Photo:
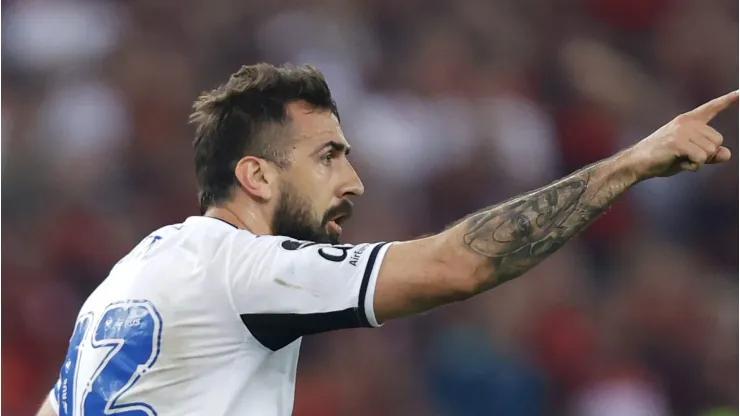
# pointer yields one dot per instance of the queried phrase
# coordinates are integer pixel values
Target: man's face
(313, 195)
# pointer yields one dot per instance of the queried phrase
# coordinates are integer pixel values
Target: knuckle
(697, 156)
(709, 146)
(683, 131)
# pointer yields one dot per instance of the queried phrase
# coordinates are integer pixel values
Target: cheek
(316, 197)
(316, 187)
(325, 180)
(323, 172)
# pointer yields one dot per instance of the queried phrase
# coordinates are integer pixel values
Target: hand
(686, 143)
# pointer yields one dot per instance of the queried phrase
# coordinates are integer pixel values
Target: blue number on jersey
(67, 377)
(132, 332)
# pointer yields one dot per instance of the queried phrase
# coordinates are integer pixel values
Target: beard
(294, 217)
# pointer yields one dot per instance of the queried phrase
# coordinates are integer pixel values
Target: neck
(243, 219)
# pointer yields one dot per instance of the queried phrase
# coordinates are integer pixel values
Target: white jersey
(204, 319)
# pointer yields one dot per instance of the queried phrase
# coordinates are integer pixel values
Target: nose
(353, 185)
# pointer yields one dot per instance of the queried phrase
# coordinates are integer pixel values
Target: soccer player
(206, 317)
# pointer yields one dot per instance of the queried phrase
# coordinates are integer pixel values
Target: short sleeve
(284, 289)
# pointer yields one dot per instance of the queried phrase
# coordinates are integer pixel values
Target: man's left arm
(47, 409)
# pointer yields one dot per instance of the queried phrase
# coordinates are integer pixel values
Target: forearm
(496, 244)
(504, 241)
(500, 243)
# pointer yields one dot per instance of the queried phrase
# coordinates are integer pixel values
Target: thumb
(723, 155)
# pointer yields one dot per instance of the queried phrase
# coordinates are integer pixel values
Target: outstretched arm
(502, 242)
(515, 236)
(498, 243)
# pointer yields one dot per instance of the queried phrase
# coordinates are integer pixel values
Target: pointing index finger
(707, 111)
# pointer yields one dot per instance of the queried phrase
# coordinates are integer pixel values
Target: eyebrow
(336, 146)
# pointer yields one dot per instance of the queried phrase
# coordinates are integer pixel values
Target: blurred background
(451, 105)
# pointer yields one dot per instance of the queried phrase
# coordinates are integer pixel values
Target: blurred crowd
(450, 105)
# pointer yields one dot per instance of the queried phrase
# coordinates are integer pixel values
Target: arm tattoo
(518, 234)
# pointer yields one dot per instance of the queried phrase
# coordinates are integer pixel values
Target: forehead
(312, 126)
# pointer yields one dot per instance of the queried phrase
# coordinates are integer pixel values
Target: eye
(327, 158)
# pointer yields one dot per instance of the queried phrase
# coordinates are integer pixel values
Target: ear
(256, 177)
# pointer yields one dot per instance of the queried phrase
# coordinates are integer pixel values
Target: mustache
(344, 210)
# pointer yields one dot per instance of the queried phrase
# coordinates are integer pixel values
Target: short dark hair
(245, 116)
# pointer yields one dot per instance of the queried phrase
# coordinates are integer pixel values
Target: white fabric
(171, 331)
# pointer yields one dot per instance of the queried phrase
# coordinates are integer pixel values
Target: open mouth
(335, 222)
(338, 215)
(339, 219)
